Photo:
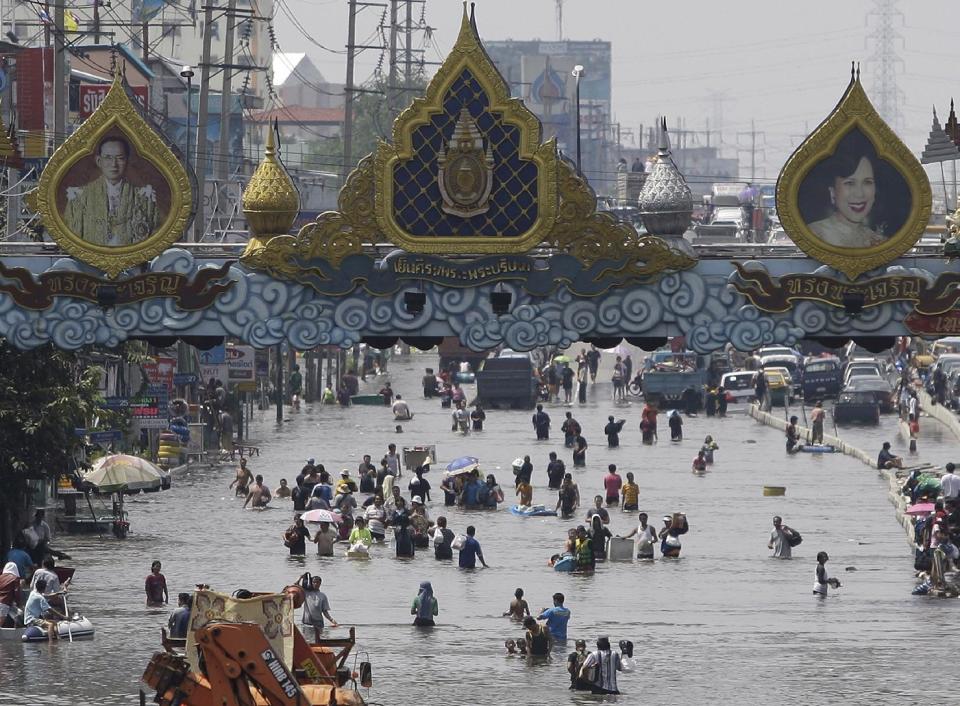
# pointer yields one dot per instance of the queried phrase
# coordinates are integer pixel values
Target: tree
(45, 394)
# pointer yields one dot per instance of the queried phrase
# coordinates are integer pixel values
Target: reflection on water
(724, 624)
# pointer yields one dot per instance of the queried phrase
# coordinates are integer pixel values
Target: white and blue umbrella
(462, 465)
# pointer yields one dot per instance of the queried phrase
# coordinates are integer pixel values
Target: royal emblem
(466, 170)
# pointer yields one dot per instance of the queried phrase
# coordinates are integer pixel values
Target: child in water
(709, 446)
(518, 606)
(525, 492)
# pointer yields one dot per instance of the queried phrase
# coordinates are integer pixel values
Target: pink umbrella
(921, 509)
(322, 516)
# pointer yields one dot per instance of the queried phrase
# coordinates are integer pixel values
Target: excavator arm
(240, 668)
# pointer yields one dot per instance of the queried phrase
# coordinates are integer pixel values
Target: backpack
(793, 537)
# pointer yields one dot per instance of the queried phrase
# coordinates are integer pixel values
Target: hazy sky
(781, 64)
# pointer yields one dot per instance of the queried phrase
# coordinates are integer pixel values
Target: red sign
(92, 95)
(946, 324)
(160, 372)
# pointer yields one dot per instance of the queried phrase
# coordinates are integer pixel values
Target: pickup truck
(507, 381)
(821, 378)
(675, 379)
(726, 225)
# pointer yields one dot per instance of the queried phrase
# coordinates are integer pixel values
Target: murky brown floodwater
(723, 625)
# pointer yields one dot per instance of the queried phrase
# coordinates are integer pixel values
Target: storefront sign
(241, 366)
(105, 437)
(149, 410)
(160, 372)
(92, 95)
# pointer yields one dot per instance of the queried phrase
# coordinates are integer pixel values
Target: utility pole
(408, 64)
(96, 22)
(223, 163)
(753, 149)
(59, 77)
(201, 150)
(348, 90)
(392, 68)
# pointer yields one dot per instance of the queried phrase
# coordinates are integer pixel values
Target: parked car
(950, 344)
(788, 363)
(821, 378)
(856, 407)
(881, 390)
(861, 367)
(739, 386)
(778, 350)
(779, 386)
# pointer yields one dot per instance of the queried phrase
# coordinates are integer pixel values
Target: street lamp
(187, 73)
(578, 72)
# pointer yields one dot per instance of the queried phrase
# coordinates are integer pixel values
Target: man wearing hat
(419, 522)
(346, 484)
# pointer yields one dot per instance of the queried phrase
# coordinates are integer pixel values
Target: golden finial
(270, 201)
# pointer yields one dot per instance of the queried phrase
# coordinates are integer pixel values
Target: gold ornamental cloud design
(114, 194)
(885, 183)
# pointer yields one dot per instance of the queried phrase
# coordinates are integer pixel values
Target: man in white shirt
(950, 484)
(393, 460)
(47, 574)
(400, 409)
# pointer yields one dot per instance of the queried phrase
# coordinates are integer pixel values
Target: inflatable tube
(533, 511)
(817, 448)
(80, 628)
(566, 564)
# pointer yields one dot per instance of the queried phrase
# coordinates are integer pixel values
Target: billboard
(92, 95)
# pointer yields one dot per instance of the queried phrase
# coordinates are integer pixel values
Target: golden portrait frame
(116, 114)
(853, 112)
(467, 53)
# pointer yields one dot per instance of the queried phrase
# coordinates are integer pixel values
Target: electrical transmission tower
(884, 19)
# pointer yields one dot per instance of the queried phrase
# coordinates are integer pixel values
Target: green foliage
(44, 395)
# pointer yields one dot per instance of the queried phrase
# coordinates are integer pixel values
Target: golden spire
(270, 201)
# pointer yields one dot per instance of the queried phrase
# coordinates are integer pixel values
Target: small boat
(565, 563)
(774, 490)
(79, 627)
(533, 511)
(367, 399)
(817, 448)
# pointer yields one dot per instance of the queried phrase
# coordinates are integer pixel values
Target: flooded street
(724, 624)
